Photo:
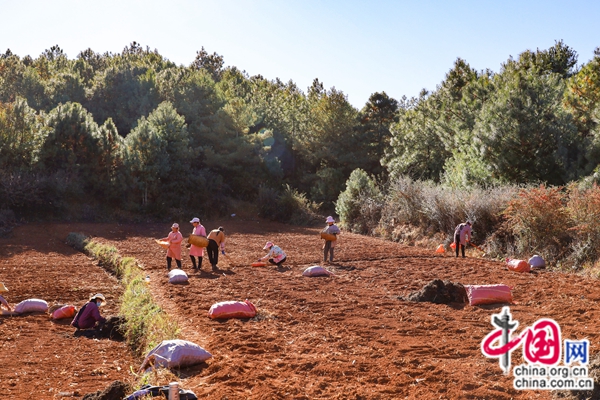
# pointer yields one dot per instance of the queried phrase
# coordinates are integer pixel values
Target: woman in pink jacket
(174, 250)
(196, 251)
(462, 236)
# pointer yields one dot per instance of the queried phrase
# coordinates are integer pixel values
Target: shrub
(287, 206)
(583, 208)
(539, 221)
(435, 208)
(359, 205)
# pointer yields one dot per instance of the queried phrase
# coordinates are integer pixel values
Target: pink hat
(330, 219)
(268, 245)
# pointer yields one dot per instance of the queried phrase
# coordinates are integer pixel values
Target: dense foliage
(134, 132)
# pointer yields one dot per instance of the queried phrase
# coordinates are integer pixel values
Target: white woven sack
(176, 353)
(177, 276)
(316, 270)
(31, 305)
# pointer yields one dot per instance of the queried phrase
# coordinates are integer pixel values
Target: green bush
(289, 206)
(359, 205)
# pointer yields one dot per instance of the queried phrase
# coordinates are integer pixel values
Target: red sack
(488, 294)
(232, 309)
(66, 311)
(518, 265)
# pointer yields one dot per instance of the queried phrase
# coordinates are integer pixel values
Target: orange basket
(162, 243)
(328, 236)
(198, 241)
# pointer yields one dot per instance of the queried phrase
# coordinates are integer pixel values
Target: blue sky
(360, 47)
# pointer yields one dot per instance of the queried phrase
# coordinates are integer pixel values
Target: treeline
(134, 132)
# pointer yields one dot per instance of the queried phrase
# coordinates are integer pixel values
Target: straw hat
(99, 296)
(3, 288)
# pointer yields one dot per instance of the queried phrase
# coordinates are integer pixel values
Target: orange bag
(66, 311)
(518, 265)
(259, 264)
(453, 245)
(440, 249)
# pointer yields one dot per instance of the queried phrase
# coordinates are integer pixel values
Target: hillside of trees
(135, 133)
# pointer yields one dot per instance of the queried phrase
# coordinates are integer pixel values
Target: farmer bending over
(275, 255)
(216, 239)
(462, 235)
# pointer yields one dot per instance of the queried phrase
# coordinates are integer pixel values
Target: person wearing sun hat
(462, 236)
(89, 315)
(2, 299)
(196, 251)
(330, 229)
(174, 250)
(275, 255)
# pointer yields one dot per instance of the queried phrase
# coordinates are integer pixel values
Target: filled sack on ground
(259, 264)
(66, 311)
(517, 265)
(31, 305)
(175, 353)
(488, 294)
(316, 270)
(232, 309)
(537, 262)
(177, 276)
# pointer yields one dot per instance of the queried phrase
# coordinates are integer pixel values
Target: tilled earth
(349, 336)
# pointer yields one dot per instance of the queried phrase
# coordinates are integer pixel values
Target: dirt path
(343, 337)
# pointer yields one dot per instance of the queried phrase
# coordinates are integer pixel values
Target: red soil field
(348, 336)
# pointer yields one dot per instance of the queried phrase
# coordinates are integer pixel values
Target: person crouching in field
(196, 251)
(462, 235)
(3, 301)
(89, 315)
(174, 250)
(275, 255)
(216, 239)
(330, 229)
